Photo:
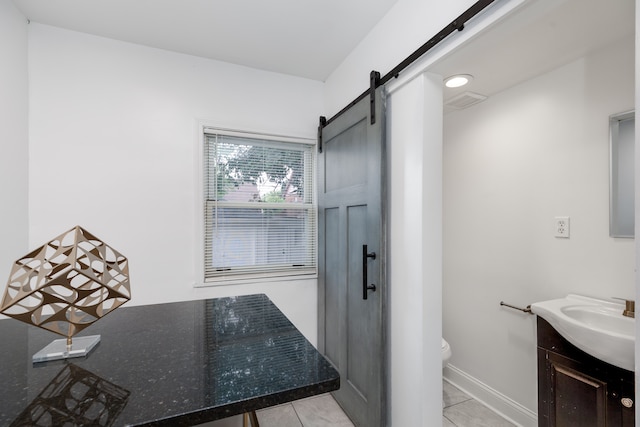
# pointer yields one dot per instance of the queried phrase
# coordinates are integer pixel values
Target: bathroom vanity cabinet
(576, 389)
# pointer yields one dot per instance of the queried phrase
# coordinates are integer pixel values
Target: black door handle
(365, 286)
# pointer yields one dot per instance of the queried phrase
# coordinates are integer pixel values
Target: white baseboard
(498, 402)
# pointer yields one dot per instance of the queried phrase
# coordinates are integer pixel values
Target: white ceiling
(306, 38)
(538, 37)
(311, 38)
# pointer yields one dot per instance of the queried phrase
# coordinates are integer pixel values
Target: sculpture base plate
(80, 347)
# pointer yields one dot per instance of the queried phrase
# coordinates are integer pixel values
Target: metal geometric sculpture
(67, 284)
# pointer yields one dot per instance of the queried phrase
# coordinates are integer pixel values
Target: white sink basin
(595, 326)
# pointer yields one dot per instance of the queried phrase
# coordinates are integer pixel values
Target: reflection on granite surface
(75, 397)
(183, 363)
(253, 347)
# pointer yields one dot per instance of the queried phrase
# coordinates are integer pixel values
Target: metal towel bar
(525, 310)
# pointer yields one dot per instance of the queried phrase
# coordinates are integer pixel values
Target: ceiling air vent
(464, 100)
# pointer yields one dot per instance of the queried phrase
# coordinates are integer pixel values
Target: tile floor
(460, 410)
(317, 411)
(321, 411)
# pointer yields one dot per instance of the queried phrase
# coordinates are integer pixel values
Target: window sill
(256, 278)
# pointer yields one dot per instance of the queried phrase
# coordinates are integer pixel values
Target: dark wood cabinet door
(578, 390)
(576, 399)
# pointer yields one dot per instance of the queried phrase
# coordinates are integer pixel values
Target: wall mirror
(621, 179)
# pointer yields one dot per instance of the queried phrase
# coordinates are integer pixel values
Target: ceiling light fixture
(458, 80)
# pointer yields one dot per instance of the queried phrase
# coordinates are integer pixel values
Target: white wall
(406, 27)
(512, 164)
(13, 137)
(415, 252)
(637, 201)
(113, 148)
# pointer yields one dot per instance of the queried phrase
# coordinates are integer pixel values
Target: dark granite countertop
(177, 364)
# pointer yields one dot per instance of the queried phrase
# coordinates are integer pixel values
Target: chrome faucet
(629, 307)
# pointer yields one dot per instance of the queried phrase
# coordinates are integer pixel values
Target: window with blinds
(260, 216)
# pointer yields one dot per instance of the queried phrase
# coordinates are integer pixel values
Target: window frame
(294, 273)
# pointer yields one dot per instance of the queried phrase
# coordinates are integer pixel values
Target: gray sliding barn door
(351, 222)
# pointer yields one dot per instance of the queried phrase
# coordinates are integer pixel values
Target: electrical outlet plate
(561, 227)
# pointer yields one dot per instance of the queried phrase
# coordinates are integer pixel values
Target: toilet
(446, 353)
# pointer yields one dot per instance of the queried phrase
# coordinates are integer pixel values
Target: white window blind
(260, 216)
